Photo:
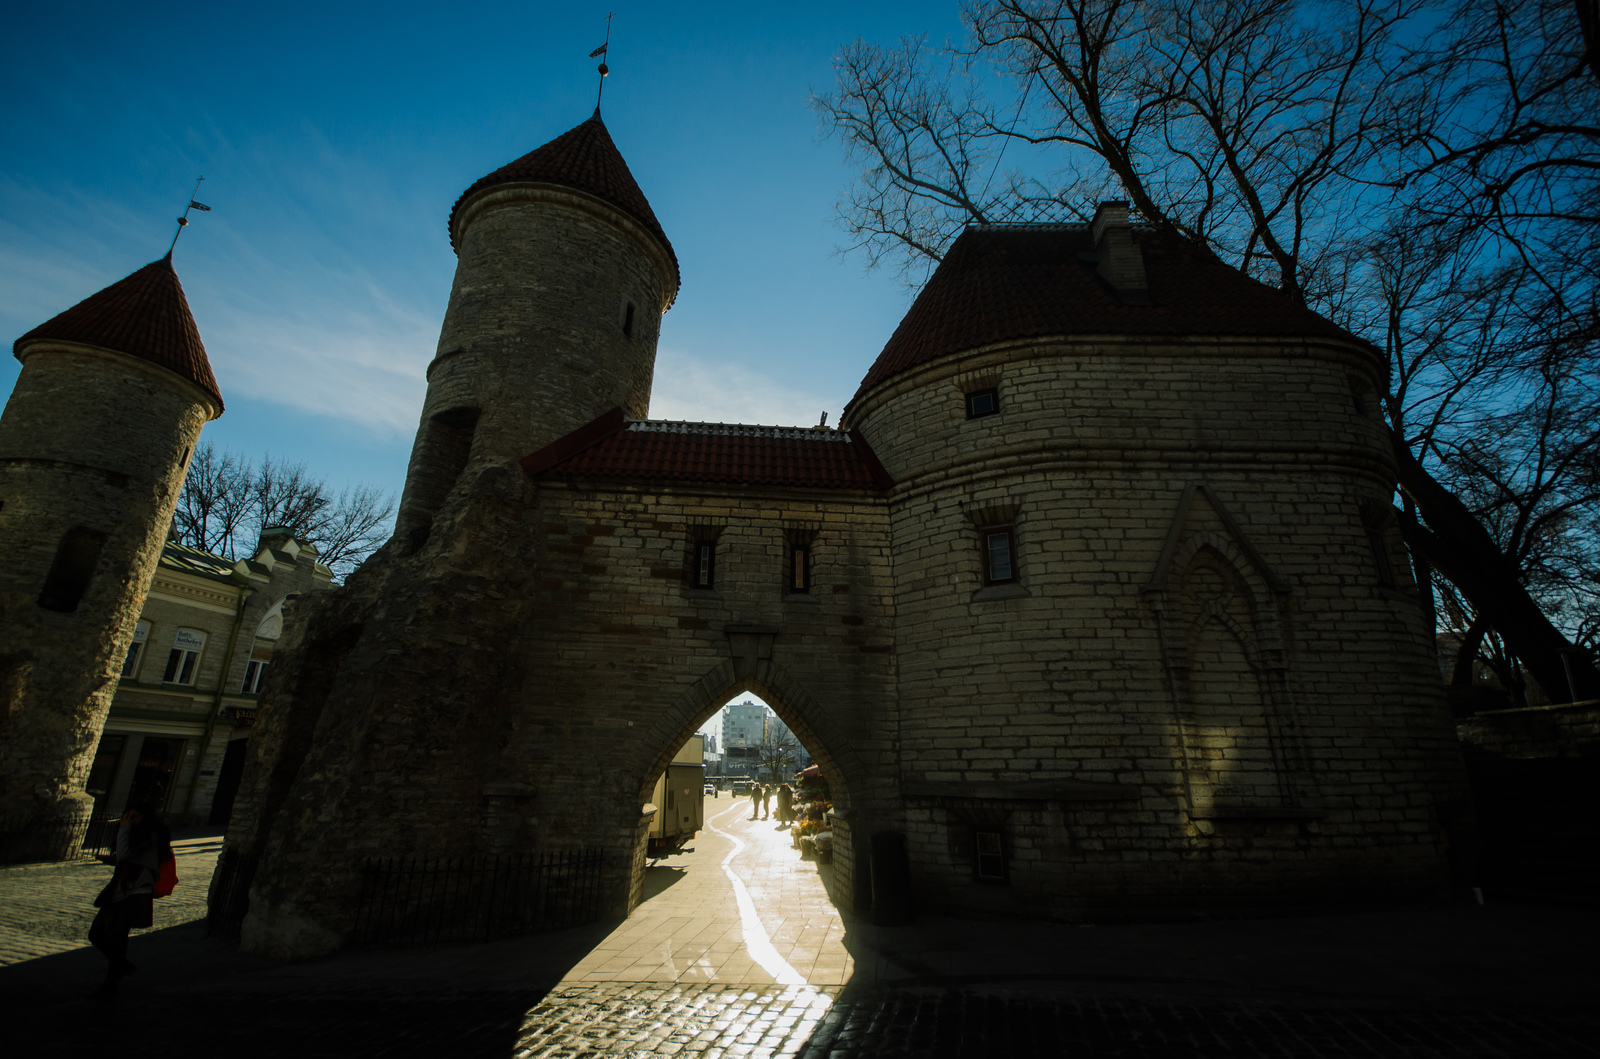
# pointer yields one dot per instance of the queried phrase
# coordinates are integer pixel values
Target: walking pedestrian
(755, 800)
(766, 803)
(143, 844)
(785, 804)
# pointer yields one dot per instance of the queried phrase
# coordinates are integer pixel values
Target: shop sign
(243, 716)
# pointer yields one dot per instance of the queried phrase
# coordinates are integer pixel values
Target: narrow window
(72, 570)
(130, 665)
(983, 403)
(254, 670)
(799, 568)
(705, 564)
(184, 657)
(991, 857)
(627, 318)
(999, 564)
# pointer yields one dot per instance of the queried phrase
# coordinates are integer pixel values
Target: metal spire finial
(183, 222)
(604, 69)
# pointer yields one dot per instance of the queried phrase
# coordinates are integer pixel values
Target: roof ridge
(684, 426)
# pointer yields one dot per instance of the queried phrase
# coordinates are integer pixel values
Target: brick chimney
(1121, 264)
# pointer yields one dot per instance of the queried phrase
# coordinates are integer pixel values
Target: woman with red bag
(144, 870)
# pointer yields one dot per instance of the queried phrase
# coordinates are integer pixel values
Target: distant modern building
(752, 724)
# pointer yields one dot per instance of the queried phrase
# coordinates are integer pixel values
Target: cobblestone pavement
(47, 908)
(698, 971)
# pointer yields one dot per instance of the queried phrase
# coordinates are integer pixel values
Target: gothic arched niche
(1221, 638)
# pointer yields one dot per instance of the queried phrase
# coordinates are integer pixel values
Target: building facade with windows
(1093, 604)
(185, 704)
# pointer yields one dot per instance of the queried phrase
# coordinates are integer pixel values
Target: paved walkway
(738, 953)
(742, 908)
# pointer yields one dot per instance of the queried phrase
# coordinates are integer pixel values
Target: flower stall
(811, 833)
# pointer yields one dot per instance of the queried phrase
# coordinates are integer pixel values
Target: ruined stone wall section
(553, 319)
(97, 441)
(1062, 677)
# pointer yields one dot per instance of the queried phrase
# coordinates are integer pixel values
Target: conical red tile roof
(144, 315)
(585, 159)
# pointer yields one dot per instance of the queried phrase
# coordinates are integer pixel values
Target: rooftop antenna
(183, 222)
(604, 69)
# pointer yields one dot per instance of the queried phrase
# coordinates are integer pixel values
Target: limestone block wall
(553, 319)
(520, 684)
(93, 444)
(1197, 690)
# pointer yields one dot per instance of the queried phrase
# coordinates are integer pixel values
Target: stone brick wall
(533, 340)
(1197, 653)
(97, 440)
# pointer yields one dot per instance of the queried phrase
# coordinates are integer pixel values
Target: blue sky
(334, 140)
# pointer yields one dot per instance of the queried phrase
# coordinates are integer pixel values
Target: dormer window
(982, 403)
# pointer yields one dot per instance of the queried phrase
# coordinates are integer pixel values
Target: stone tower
(94, 443)
(562, 277)
(426, 652)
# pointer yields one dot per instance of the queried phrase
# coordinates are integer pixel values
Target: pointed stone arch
(785, 692)
(1224, 642)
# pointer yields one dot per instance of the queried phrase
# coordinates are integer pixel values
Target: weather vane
(597, 53)
(183, 222)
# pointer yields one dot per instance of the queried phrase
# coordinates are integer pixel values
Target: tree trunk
(1458, 546)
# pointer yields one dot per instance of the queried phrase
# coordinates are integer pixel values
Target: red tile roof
(612, 446)
(144, 315)
(1027, 281)
(583, 158)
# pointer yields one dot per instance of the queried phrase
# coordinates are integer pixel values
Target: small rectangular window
(627, 318)
(799, 572)
(991, 856)
(253, 672)
(72, 569)
(999, 565)
(705, 564)
(184, 658)
(130, 665)
(983, 403)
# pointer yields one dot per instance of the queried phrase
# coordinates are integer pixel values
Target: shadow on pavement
(196, 996)
(658, 877)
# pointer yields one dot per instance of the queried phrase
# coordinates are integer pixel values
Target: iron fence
(24, 840)
(419, 900)
(229, 898)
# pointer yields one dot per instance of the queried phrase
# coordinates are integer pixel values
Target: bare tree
(227, 502)
(1398, 165)
(777, 751)
(215, 503)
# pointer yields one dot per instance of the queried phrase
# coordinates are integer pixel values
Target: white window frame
(183, 660)
(130, 664)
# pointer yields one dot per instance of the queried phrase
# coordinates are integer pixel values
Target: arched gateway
(1081, 599)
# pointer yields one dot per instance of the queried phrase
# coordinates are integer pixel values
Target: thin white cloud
(692, 388)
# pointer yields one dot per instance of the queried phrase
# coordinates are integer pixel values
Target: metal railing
(420, 900)
(24, 840)
(229, 898)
